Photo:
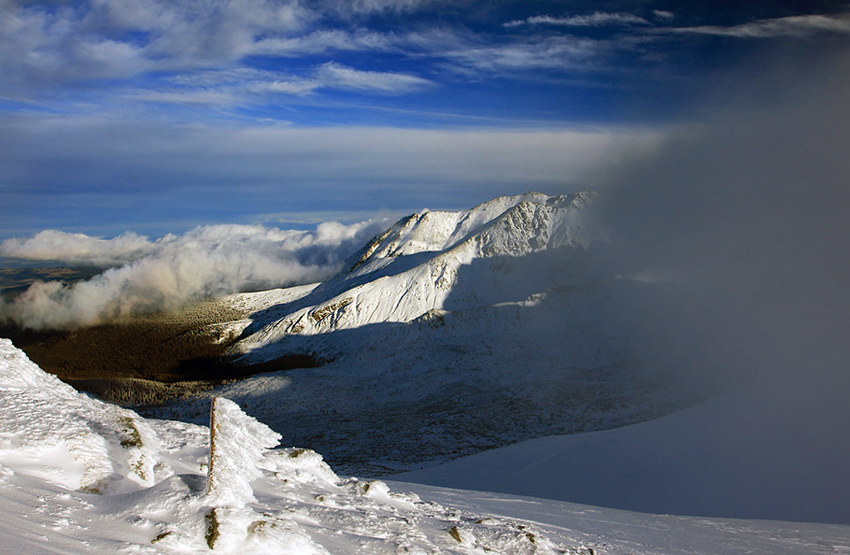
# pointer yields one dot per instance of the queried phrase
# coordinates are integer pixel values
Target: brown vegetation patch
(149, 360)
(321, 313)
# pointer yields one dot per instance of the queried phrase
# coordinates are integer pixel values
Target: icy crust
(414, 267)
(242, 498)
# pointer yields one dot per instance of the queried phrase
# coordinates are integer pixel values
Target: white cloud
(596, 19)
(333, 75)
(205, 262)
(792, 26)
(546, 53)
(122, 38)
(77, 248)
(38, 45)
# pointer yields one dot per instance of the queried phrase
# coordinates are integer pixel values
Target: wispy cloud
(791, 26)
(334, 75)
(328, 40)
(663, 15)
(557, 52)
(596, 19)
(244, 85)
(395, 6)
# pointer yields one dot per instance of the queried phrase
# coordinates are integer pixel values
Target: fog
(746, 216)
(163, 274)
(742, 224)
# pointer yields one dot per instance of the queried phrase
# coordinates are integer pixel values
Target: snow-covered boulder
(51, 431)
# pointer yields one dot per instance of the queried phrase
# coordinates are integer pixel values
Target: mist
(746, 218)
(163, 274)
(739, 228)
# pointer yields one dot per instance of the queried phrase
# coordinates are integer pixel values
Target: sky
(157, 117)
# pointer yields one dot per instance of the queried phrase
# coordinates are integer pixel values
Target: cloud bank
(78, 248)
(164, 274)
(68, 172)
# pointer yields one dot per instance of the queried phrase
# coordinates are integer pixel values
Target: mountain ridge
(411, 269)
(448, 334)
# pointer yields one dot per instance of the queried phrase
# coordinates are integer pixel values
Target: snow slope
(751, 454)
(81, 476)
(450, 333)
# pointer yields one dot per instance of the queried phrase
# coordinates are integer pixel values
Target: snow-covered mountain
(449, 333)
(81, 476)
(414, 269)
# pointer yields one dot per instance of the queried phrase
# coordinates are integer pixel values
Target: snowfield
(751, 454)
(81, 476)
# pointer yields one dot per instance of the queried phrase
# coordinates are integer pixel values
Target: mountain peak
(510, 223)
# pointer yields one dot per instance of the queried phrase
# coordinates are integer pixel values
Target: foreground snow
(610, 531)
(78, 475)
(81, 476)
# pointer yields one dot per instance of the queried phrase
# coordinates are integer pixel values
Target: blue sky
(157, 116)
